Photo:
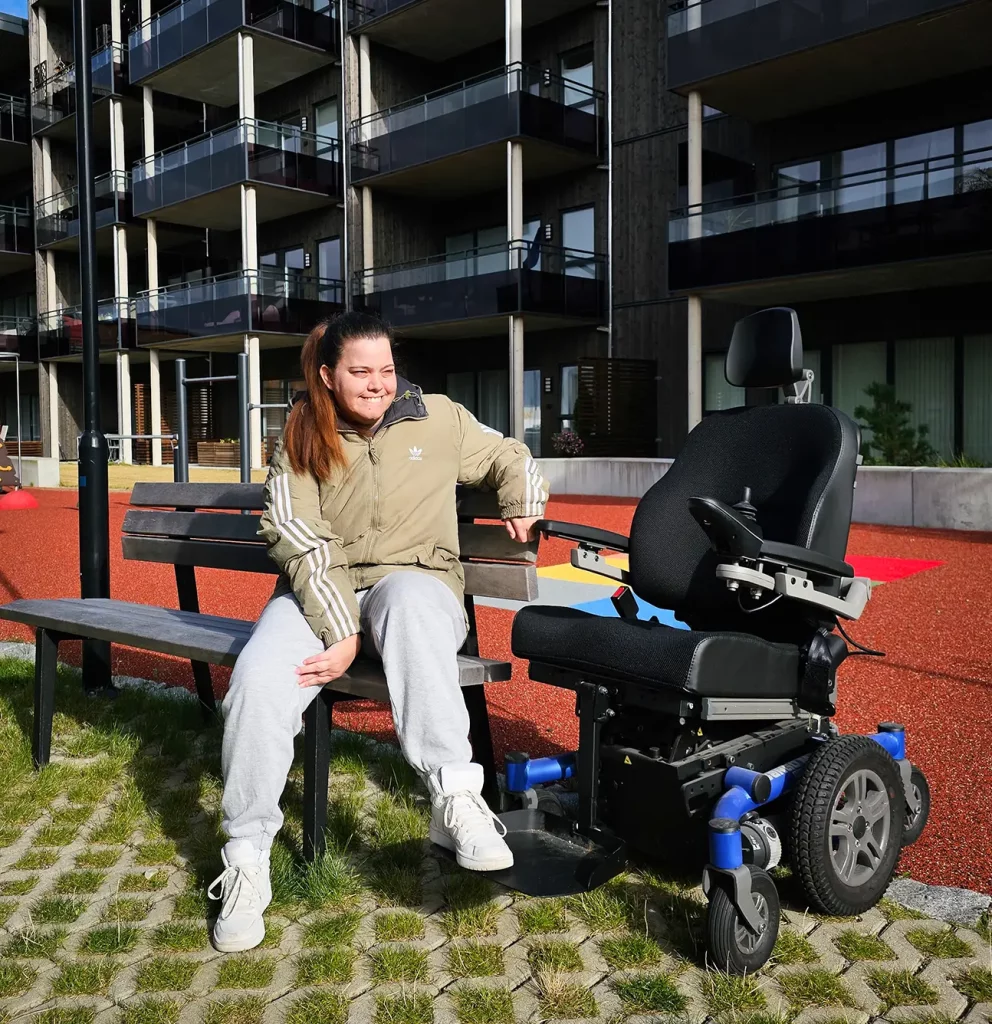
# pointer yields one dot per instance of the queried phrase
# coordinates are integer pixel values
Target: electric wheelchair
(716, 741)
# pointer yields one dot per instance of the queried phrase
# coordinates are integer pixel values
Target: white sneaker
(462, 821)
(244, 891)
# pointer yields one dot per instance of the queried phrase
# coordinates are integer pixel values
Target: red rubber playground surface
(931, 616)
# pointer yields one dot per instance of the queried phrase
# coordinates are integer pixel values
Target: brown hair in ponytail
(312, 439)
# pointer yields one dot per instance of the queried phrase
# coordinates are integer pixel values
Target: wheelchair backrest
(799, 460)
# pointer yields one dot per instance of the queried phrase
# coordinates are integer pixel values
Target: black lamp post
(94, 502)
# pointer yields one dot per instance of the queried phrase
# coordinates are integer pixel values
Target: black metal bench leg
(204, 689)
(482, 741)
(316, 770)
(45, 668)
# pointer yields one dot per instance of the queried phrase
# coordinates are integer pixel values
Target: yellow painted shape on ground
(567, 572)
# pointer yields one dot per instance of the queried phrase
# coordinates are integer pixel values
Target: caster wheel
(733, 947)
(916, 821)
(848, 824)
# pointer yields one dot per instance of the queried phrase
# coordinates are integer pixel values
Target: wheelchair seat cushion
(706, 663)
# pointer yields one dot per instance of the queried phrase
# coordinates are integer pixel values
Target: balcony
(20, 334)
(191, 49)
(16, 240)
(913, 225)
(472, 292)
(280, 306)
(57, 218)
(60, 332)
(15, 132)
(439, 29)
(766, 59)
(53, 100)
(452, 141)
(197, 183)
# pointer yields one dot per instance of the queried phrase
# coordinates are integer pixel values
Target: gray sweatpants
(409, 620)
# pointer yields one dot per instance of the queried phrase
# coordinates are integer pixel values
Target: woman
(360, 518)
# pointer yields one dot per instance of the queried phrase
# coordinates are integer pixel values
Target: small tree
(892, 437)
(567, 443)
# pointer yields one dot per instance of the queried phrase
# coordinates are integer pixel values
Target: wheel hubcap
(747, 941)
(859, 827)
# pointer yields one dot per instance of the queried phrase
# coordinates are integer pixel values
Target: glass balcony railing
(509, 102)
(275, 300)
(910, 182)
(186, 27)
(246, 151)
(520, 277)
(362, 11)
(57, 218)
(19, 334)
(55, 98)
(16, 230)
(60, 332)
(14, 125)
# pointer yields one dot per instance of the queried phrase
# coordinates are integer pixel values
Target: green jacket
(392, 507)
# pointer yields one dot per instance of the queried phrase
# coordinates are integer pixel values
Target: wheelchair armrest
(586, 536)
(805, 558)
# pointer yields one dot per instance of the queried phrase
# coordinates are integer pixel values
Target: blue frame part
(522, 775)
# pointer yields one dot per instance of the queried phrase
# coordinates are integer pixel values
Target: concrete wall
(38, 472)
(949, 499)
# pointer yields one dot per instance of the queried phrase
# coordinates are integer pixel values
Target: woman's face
(364, 381)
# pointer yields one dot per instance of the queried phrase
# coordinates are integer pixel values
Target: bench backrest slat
(216, 496)
(192, 525)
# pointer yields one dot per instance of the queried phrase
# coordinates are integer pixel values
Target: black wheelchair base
(550, 858)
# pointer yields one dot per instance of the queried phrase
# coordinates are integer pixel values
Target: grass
(399, 926)
(166, 974)
(149, 882)
(605, 909)
(151, 1011)
(84, 977)
(325, 967)
(542, 918)
(7, 908)
(976, 984)
(56, 835)
(56, 909)
(815, 987)
(651, 993)
(99, 858)
(399, 963)
(476, 960)
(483, 1005)
(180, 938)
(407, 1008)
(31, 943)
(792, 948)
(897, 912)
(556, 957)
(111, 939)
(16, 979)
(564, 999)
(856, 946)
(126, 909)
(18, 886)
(319, 1008)
(35, 860)
(943, 945)
(67, 1015)
(471, 911)
(247, 1010)
(192, 903)
(900, 988)
(338, 930)
(626, 952)
(248, 971)
(732, 997)
(79, 882)
(160, 852)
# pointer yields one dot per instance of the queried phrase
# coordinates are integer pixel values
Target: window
(854, 368)
(485, 393)
(471, 253)
(863, 171)
(924, 166)
(290, 262)
(977, 399)
(569, 394)
(329, 270)
(717, 393)
(532, 235)
(576, 67)
(925, 379)
(326, 124)
(532, 411)
(977, 143)
(578, 238)
(274, 420)
(799, 186)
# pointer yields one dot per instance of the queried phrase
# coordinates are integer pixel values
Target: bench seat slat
(210, 638)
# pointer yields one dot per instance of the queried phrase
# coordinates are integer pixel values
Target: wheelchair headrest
(766, 350)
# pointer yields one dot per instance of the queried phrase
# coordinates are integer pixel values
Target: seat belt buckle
(625, 603)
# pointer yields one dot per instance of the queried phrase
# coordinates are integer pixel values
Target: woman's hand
(330, 664)
(521, 530)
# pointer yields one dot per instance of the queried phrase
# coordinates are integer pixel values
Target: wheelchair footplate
(551, 858)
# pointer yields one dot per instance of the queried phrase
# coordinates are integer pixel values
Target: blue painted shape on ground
(604, 607)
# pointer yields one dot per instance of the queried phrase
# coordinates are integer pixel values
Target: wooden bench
(215, 526)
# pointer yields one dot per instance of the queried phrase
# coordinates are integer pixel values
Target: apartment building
(867, 128)
(262, 163)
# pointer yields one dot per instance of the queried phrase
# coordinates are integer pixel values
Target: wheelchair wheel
(848, 825)
(916, 822)
(733, 947)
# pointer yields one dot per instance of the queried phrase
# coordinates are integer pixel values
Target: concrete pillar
(124, 396)
(255, 398)
(115, 21)
(155, 404)
(246, 111)
(366, 106)
(246, 76)
(513, 10)
(694, 317)
(48, 409)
